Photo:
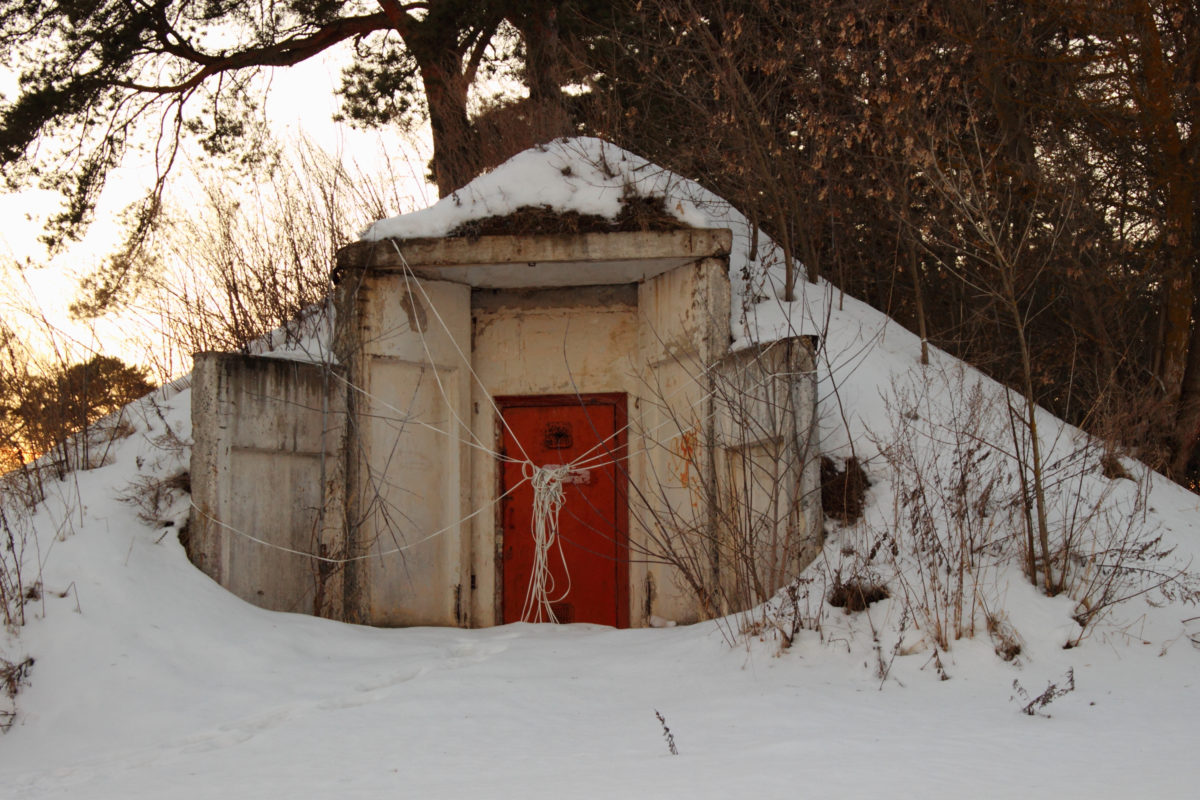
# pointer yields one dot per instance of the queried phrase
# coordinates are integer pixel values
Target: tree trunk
(1186, 434)
(914, 272)
(539, 30)
(446, 44)
(1038, 483)
(456, 157)
(1178, 371)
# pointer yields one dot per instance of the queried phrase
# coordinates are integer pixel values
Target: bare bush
(1035, 706)
(1005, 639)
(951, 513)
(13, 675)
(247, 261)
(961, 515)
(730, 513)
(153, 496)
(20, 581)
(800, 605)
(16, 540)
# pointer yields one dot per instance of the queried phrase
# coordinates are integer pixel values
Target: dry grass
(636, 214)
(13, 675)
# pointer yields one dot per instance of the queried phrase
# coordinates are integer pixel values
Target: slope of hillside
(151, 681)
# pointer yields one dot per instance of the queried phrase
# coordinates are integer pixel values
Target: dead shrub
(951, 522)
(153, 497)
(17, 541)
(1035, 706)
(13, 675)
(799, 607)
(964, 512)
(1005, 640)
(244, 267)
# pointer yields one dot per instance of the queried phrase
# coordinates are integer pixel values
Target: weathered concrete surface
(768, 468)
(683, 330)
(267, 465)
(403, 342)
(568, 259)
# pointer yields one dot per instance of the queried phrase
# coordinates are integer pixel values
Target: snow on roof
(591, 176)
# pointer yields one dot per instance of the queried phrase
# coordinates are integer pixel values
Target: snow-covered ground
(151, 681)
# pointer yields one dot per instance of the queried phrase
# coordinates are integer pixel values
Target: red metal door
(589, 575)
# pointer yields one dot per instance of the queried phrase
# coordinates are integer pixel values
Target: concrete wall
(653, 342)
(402, 343)
(266, 463)
(683, 328)
(768, 474)
(420, 480)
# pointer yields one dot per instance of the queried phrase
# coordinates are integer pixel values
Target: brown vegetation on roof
(636, 214)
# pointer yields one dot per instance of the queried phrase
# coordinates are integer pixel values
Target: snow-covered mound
(149, 680)
(591, 176)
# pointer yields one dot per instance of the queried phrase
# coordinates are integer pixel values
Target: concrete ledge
(570, 259)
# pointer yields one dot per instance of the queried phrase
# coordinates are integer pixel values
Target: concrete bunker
(400, 487)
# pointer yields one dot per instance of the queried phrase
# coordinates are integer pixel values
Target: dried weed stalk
(963, 512)
(731, 513)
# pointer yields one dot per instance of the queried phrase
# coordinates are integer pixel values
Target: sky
(301, 103)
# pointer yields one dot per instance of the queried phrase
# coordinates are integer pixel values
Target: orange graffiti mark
(686, 449)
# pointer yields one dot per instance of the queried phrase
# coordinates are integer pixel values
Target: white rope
(410, 279)
(406, 418)
(547, 483)
(365, 556)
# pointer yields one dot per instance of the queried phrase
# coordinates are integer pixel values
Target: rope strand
(548, 498)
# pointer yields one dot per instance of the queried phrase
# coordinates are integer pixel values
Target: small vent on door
(563, 612)
(557, 436)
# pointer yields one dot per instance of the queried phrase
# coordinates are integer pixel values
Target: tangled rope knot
(547, 482)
